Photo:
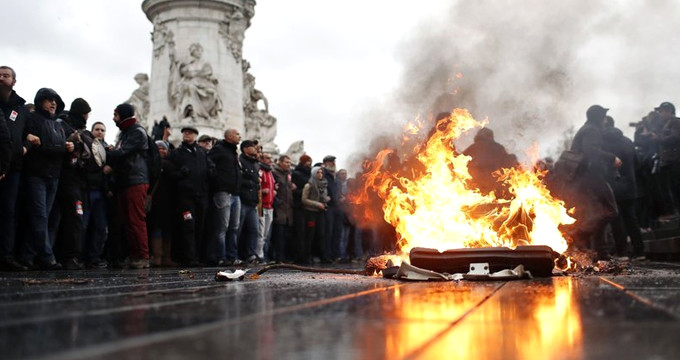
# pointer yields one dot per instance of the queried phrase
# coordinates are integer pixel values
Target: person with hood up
(593, 198)
(131, 179)
(46, 146)
(488, 156)
(315, 203)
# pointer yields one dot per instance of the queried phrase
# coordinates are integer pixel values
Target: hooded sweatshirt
(45, 160)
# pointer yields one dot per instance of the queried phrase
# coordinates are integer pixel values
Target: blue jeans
(40, 194)
(344, 240)
(94, 227)
(250, 222)
(227, 216)
(9, 191)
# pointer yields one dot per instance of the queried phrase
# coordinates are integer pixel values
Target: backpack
(153, 159)
(569, 165)
(153, 162)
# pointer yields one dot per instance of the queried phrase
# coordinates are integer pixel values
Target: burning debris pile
(435, 203)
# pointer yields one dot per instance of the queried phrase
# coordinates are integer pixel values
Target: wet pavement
(165, 314)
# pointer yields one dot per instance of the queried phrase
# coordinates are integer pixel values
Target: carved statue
(192, 89)
(233, 29)
(253, 95)
(161, 37)
(140, 98)
(295, 150)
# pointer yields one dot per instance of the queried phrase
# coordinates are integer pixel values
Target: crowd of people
(69, 200)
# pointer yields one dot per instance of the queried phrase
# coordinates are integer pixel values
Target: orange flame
(435, 205)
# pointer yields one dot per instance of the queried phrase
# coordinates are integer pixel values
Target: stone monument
(198, 74)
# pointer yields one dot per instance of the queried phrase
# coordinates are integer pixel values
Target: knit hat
(125, 111)
(79, 107)
(304, 158)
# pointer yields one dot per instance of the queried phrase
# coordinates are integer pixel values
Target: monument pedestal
(197, 75)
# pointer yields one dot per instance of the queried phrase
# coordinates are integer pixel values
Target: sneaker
(139, 264)
(253, 260)
(101, 264)
(49, 266)
(72, 264)
(9, 264)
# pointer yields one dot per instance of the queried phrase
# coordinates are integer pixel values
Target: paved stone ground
(163, 314)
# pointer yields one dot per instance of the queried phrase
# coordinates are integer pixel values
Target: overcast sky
(339, 73)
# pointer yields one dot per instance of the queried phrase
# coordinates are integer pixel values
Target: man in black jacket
(12, 107)
(66, 218)
(225, 187)
(595, 203)
(192, 170)
(46, 143)
(623, 183)
(249, 194)
(131, 178)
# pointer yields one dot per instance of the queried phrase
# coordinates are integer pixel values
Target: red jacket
(267, 182)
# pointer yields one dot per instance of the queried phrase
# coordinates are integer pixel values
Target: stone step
(663, 249)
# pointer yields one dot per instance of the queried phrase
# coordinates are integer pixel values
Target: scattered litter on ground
(55, 281)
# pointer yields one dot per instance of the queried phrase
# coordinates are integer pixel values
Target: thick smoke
(533, 67)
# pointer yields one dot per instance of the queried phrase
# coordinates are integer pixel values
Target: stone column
(197, 71)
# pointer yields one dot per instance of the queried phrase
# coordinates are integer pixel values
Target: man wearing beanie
(66, 225)
(131, 181)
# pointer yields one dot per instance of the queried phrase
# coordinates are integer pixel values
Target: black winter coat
(128, 159)
(250, 180)
(588, 141)
(16, 116)
(45, 159)
(333, 190)
(300, 177)
(622, 180)
(227, 173)
(193, 169)
(669, 142)
(5, 145)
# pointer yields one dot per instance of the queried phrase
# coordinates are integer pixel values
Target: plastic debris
(231, 276)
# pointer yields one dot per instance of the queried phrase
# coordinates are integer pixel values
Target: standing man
(192, 170)
(12, 107)
(42, 168)
(599, 205)
(225, 188)
(267, 191)
(624, 186)
(250, 189)
(334, 215)
(206, 142)
(67, 215)
(283, 208)
(669, 145)
(300, 177)
(131, 177)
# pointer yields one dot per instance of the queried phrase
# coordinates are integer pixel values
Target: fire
(434, 203)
